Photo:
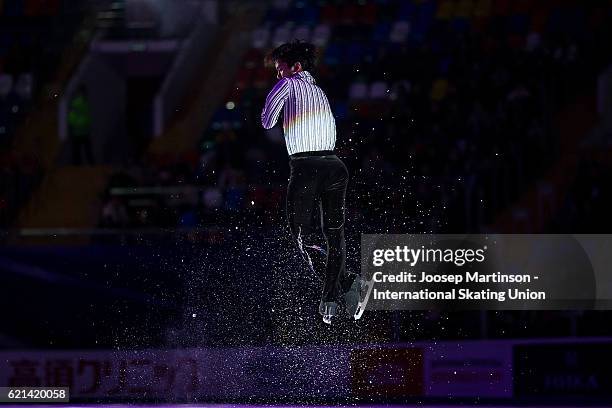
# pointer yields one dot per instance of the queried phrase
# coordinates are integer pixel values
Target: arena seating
(33, 36)
(455, 98)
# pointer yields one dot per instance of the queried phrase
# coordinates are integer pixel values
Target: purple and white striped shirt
(308, 121)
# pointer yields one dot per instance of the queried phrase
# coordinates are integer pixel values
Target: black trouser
(318, 183)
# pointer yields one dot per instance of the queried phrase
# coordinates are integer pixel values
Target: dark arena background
(146, 257)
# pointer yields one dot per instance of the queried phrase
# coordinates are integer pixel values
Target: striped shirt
(308, 122)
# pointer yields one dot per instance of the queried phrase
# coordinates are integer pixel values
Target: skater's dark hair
(295, 51)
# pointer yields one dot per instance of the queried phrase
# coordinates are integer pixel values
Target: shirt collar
(305, 75)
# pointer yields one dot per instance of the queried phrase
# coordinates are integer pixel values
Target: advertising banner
(467, 369)
(566, 369)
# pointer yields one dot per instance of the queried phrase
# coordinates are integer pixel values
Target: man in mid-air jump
(318, 178)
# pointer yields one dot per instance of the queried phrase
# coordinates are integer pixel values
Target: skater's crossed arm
(274, 103)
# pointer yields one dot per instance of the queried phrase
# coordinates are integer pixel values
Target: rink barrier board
(495, 369)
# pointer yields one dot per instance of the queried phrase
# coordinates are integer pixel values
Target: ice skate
(352, 296)
(364, 296)
(328, 310)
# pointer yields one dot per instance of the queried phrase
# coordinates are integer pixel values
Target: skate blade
(327, 319)
(361, 306)
(317, 248)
